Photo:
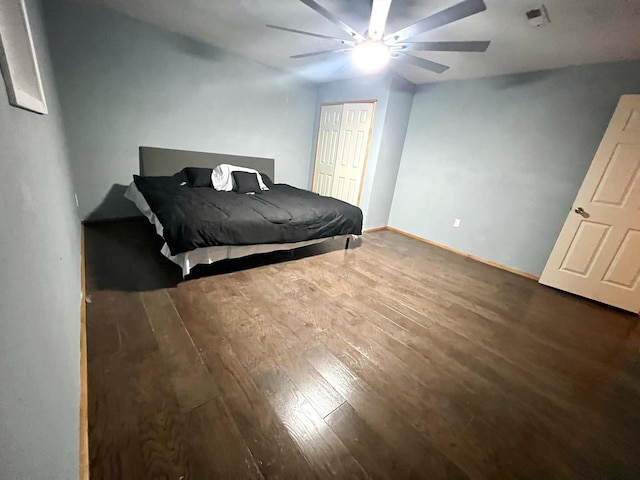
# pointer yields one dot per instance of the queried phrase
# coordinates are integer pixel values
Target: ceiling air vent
(538, 16)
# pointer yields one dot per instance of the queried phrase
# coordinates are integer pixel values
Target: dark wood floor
(393, 360)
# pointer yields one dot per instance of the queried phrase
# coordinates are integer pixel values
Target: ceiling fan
(373, 49)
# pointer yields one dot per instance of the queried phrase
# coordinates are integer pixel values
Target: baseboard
(376, 229)
(457, 252)
(84, 409)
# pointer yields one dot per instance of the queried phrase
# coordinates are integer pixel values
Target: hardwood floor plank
(369, 449)
(414, 448)
(274, 291)
(270, 298)
(221, 442)
(264, 431)
(263, 316)
(192, 383)
(324, 450)
(136, 429)
(316, 390)
(274, 450)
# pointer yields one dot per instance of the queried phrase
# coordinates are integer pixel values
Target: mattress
(211, 254)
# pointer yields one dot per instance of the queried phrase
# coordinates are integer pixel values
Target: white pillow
(223, 181)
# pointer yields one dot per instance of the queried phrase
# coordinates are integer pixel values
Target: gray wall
(506, 155)
(390, 152)
(374, 87)
(124, 83)
(40, 294)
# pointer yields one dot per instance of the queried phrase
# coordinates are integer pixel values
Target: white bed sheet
(208, 255)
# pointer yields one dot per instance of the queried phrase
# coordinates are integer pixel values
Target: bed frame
(166, 162)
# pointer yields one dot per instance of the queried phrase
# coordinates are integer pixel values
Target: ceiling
(581, 31)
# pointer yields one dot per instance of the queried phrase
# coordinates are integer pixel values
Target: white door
(597, 254)
(353, 149)
(343, 146)
(327, 148)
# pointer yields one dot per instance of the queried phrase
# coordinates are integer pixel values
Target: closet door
(343, 147)
(327, 148)
(353, 150)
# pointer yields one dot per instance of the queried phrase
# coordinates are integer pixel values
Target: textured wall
(40, 294)
(506, 155)
(124, 83)
(390, 152)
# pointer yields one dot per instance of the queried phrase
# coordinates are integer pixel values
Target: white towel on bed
(223, 181)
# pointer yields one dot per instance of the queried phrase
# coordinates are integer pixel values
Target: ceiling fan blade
(473, 46)
(452, 14)
(378, 21)
(311, 34)
(321, 52)
(332, 18)
(421, 62)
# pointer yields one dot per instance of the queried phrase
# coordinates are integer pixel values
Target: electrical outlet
(456, 222)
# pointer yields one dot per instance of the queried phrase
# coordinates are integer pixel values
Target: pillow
(267, 180)
(245, 182)
(199, 177)
(223, 181)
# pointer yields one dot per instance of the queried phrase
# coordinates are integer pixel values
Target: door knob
(579, 210)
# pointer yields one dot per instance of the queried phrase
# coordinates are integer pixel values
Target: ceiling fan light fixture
(372, 50)
(371, 56)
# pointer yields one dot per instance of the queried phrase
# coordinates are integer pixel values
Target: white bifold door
(343, 146)
(597, 254)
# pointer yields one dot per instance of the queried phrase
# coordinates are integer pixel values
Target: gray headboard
(156, 162)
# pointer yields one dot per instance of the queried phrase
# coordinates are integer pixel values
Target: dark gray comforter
(204, 217)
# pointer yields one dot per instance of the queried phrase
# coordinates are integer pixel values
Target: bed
(201, 225)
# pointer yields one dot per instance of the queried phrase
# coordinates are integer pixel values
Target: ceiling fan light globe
(371, 56)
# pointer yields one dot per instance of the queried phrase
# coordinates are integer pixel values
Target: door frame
(366, 158)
